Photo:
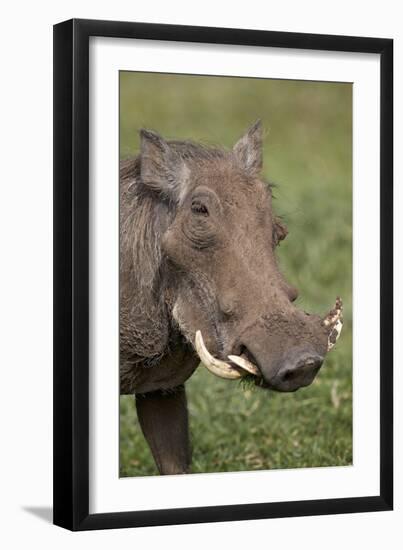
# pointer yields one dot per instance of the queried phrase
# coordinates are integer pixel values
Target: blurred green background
(308, 155)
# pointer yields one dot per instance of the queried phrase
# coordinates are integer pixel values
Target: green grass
(308, 154)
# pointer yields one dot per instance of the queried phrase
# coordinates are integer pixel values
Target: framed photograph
(223, 236)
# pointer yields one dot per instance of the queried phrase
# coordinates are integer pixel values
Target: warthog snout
(283, 352)
(290, 357)
(297, 370)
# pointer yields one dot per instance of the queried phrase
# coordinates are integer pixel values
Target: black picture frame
(71, 274)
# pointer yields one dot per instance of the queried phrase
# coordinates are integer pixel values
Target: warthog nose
(301, 373)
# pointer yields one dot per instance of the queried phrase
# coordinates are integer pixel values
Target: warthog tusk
(334, 322)
(244, 364)
(215, 366)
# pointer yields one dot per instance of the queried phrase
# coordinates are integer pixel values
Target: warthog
(199, 281)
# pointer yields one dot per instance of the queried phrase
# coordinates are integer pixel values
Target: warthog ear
(248, 149)
(161, 168)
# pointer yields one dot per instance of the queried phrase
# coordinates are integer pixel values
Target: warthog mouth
(239, 366)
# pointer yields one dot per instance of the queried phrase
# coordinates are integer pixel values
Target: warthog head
(224, 289)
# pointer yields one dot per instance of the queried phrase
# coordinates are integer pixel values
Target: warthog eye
(199, 208)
